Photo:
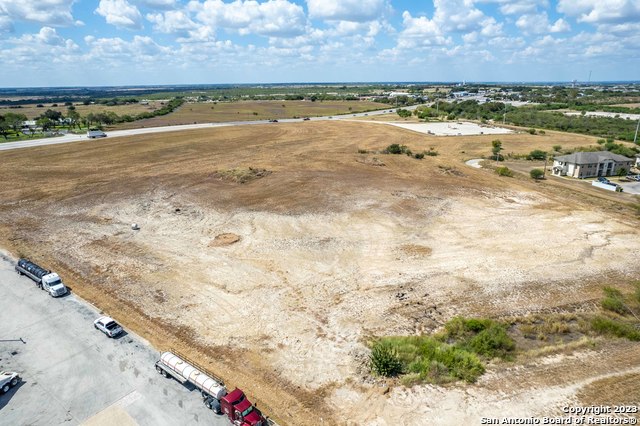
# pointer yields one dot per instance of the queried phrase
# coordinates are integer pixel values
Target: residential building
(590, 164)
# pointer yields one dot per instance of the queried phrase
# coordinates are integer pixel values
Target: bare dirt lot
(272, 253)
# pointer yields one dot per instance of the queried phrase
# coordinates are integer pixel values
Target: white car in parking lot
(8, 380)
(108, 326)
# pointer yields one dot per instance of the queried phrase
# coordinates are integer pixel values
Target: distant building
(590, 164)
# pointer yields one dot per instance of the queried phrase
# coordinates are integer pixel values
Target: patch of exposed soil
(225, 239)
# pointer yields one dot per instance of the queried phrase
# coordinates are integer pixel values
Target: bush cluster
(504, 171)
(455, 354)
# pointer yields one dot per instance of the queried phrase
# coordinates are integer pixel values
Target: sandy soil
(277, 283)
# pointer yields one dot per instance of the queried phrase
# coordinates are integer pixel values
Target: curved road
(145, 130)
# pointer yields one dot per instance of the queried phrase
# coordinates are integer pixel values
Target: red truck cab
(239, 410)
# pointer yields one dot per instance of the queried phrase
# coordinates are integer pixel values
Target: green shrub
(395, 149)
(536, 173)
(431, 153)
(384, 360)
(492, 342)
(557, 148)
(460, 327)
(616, 328)
(419, 156)
(362, 151)
(504, 171)
(613, 300)
(537, 154)
(532, 131)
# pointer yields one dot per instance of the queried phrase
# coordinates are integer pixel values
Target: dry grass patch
(254, 110)
(241, 175)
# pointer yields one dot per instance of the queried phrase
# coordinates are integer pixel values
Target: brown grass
(253, 110)
(32, 111)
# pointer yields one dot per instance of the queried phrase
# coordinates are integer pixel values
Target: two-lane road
(147, 130)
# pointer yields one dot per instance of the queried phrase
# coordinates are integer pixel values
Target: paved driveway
(631, 187)
(73, 374)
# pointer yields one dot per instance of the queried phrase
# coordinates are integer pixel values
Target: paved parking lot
(73, 374)
(631, 187)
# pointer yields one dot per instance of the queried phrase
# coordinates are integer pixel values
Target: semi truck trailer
(45, 279)
(234, 405)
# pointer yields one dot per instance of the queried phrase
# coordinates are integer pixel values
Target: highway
(147, 130)
(73, 374)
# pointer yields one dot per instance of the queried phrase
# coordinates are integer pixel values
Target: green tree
(536, 174)
(4, 126)
(496, 148)
(15, 120)
(45, 122)
(52, 115)
(404, 113)
(73, 118)
(537, 154)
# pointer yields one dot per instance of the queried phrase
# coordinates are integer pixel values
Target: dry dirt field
(32, 111)
(273, 253)
(253, 110)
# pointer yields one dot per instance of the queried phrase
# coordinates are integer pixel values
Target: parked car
(8, 380)
(306, 119)
(273, 121)
(603, 180)
(108, 326)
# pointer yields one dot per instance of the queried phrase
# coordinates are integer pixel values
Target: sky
(47, 43)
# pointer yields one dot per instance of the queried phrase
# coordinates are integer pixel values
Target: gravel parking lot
(73, 374)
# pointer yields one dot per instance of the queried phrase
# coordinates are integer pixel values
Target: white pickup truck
(8, 380)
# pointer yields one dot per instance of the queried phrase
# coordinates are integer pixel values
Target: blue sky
(131, 42)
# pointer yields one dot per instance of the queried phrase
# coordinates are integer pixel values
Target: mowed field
(273, 253)
(254, 110)
(32, 111)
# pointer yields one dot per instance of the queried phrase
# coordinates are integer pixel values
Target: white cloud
(46, 44)
(120, 13)
(117, 50)
(539, 24)
(420, 32)
(172, 22)
(348, 10)
(276, 18)
(560, 26)
(601, 11)
(47, 12)
(158, 4)
(6, 26)
(457, 15)
(518, 7)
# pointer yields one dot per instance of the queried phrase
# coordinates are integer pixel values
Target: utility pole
(635, 138)
(544, 171)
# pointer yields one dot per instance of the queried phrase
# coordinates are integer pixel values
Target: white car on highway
(108, 326)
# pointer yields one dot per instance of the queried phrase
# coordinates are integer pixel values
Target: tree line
(50, 119)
